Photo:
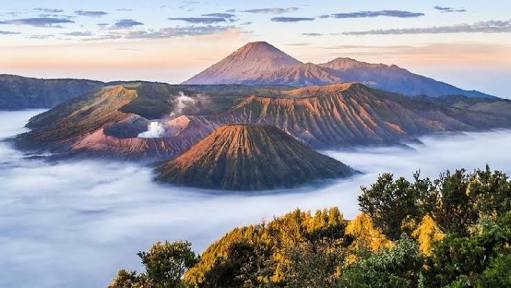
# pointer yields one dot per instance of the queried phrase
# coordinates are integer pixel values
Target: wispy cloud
(271, 10)
(49, 10)
(372, 14)
(199, 20)
(124, 9)
(91, 13)
(365, 47)
(291, 19)
(298, 44)
(9, 33)
(172, 32)
(41, 37)
(38, 22)
(492, 26)
(78, 34)
(449, 9)
(126, 24)
(312, 34)
(220, 15)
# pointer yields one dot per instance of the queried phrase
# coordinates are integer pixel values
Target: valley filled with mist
(95, 214)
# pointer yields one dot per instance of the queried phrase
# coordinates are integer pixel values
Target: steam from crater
(181, 103)
(154, 130)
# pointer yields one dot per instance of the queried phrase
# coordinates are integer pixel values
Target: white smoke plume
(154, 130)
(181, 102)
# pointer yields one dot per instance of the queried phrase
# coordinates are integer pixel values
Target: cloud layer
(449, 9)
(271, 10)
(372, 14)
(95, 14)
(38, 21)
(492, 26)
(291, 19)
(126, 24)
(200, 20)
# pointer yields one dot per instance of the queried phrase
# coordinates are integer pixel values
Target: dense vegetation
(454, 231)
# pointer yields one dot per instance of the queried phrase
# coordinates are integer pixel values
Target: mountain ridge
(323, 117)
(391, 78)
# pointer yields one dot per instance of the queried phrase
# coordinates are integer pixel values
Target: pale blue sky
(464, 42)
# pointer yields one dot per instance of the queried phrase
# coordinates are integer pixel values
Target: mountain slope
(393, 78)
(353, 114)
(298, 75)
(249, 157)
(246, 63)
(18, 92)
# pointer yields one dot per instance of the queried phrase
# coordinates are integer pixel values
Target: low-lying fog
(75, 223)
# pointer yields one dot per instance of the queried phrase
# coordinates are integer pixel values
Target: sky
(465, 43)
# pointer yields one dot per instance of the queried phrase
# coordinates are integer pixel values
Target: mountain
(259, 63)
(354, 114)
(297, 75)
(250, 157)
(18, 92)
(109, 122)
(393, 78)
(245, 64)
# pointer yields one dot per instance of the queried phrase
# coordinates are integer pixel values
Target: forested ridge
(454, 231)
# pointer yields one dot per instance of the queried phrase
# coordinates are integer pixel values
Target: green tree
(245, 265)
(472, 258)
(126, 279)
(389, 203)
(165, 263)
(454, 209)
(314, 264)
(399, 266)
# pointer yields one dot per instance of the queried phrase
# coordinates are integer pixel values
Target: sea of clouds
(75, 223)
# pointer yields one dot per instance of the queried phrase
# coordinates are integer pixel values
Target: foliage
(365, 235)
(459, 229)
(272, 244)
(390, 202)
(398, 266)
(165, 264)
(427, 233)
(314, 265)
(456, 201)
(459, 259)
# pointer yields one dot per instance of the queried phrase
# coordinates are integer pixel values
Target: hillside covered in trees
(454, 231)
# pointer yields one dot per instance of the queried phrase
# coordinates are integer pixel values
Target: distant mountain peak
(246, 63)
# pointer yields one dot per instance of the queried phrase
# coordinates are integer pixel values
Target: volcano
(260, 63)
(245, 64)
(250, 157)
